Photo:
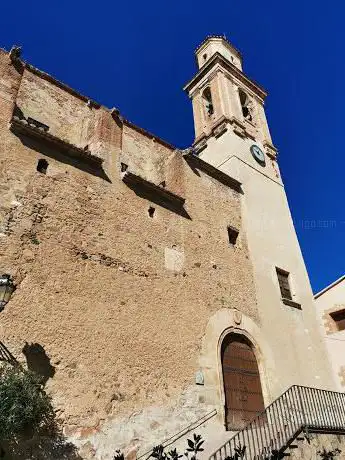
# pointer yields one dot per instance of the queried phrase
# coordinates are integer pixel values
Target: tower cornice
(217, 58)
(221, 37)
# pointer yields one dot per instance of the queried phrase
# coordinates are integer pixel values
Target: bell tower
(225, 100)
(232, 135)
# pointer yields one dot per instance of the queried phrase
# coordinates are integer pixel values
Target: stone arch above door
(222, 323)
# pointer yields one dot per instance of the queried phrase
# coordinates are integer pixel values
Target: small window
(42, 166)
(151, 211)
(232, 235)
(208, 104)
(284, 284)
(204, 56)
(339, 319)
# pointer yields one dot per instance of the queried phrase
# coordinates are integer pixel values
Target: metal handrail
(298, 408)
(167, 442)
(6, 355)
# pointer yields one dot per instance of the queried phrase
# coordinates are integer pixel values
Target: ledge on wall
(155, 193)
(197, 163)
(39, 131)
(291, 303)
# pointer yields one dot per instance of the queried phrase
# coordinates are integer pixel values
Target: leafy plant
(174, 455)
(239, 453)
(25, 407)
(195, 445)
(274, 455)
(118, 455)
(28, 428)
(158, 452)
(329, 454)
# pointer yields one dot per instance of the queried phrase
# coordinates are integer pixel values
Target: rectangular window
(339, 319)
(283, 279)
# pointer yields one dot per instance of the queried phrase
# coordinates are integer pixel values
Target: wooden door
(242, 386)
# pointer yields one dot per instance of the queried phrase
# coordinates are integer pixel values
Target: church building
(165, 288)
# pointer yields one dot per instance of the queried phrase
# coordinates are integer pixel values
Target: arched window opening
(246, 105)
(42, 166)
(208, 104)
(242, 386)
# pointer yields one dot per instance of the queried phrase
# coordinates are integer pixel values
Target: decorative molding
(214, 74)
(218, 59)
(238, 127)
(170, 197)
(197, 163)
(271, 151)
(292, 303)
(220, 129)
(200, 145)
(209, 37)
(33, 130)
(250, 130)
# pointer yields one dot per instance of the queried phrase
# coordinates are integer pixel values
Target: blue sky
(138, 55)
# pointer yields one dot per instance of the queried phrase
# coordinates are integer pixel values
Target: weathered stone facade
(96, 286)
(123, 268)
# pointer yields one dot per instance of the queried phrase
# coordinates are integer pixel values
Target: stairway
(299, 409)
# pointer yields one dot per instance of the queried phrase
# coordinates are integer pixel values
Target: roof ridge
(325, 289)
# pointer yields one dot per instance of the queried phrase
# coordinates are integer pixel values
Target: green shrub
(25, 408)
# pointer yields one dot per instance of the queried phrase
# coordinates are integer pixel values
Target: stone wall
(119, 301)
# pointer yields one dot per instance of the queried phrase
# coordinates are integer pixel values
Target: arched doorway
(242, 386)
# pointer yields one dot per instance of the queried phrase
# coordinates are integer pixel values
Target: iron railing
(298, 409)
(167, 442)
(6, 355)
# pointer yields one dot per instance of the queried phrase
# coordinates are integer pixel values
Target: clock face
(258, 154)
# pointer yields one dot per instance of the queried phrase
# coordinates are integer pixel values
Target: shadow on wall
(59, 156)
(38, 361)
(49, 441)
(142, 192)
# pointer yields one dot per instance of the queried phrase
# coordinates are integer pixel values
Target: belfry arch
(241, 381)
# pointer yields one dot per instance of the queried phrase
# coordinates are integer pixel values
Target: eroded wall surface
(119, 301)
